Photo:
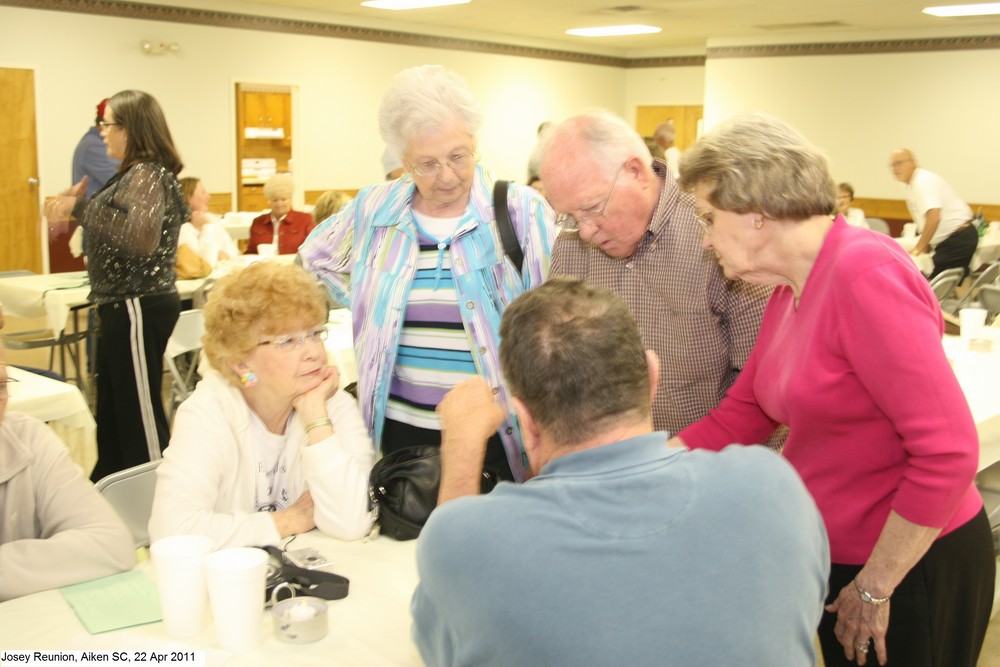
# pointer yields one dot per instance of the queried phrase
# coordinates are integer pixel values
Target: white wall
(663, 86)
(78, 59)
(943, 105)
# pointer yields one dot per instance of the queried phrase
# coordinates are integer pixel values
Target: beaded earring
(248, 379)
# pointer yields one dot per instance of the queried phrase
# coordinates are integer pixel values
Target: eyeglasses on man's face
(293, 341)
(105, 124)
(455, 161)
(8, 388)
(591, 216)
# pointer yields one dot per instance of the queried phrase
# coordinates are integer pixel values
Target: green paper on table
(119, 601)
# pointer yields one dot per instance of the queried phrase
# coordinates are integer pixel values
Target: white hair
(425, 97)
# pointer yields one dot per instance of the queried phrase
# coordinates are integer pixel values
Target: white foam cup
(235, 580)
(179, 563)
(971, 323)
(267, 249)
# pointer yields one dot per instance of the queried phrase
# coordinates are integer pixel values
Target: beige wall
(944, 105)
(78, 59)
(858, 107)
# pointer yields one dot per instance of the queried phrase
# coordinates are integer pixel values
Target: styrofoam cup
(235, 580)
(971, 322)
(267, 249)
(179, 563)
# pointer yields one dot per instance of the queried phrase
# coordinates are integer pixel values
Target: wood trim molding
(857, 48)
(220, 202)
(152, 12)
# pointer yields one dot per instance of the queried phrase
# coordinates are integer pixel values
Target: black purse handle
(511, 247)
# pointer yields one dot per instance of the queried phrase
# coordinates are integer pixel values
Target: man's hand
(469, 416)
(469, 412)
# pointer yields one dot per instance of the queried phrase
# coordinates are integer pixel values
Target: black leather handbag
(404, 489)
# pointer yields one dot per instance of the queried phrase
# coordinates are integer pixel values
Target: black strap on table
(511, 247)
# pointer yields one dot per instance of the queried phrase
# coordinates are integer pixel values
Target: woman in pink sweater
(849, 357)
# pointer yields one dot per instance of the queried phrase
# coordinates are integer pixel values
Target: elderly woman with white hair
(420, 262)
(282, 226)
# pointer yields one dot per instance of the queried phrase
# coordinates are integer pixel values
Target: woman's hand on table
(297, 518)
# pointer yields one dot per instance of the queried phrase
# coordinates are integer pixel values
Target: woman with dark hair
(132, 226)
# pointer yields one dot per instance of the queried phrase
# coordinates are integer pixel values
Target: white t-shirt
(925, 191)
(274, 488)
(209, 242)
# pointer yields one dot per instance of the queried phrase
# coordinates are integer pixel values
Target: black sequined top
(132, 227)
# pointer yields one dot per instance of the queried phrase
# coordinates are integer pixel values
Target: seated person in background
(266, 446)
(55, 529)
(845, 197)
(620, 550)
(282, 226)
(329, 202)
(202, 242)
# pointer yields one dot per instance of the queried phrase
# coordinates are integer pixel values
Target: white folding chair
(185, 341)
(130, 492)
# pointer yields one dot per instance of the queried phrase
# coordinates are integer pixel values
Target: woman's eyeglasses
(704, 220)
(292, 341)
(455, 162)
(105, 124)
(9, 387)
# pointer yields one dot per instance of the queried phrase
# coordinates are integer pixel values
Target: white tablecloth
(370, 627)
(987, 252)
(64, 408)
(979, 375)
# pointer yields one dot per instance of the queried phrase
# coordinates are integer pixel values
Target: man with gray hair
(628, 227)
(664, 136)
(620, 550)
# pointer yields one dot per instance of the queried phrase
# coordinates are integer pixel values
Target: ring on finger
(862, 647)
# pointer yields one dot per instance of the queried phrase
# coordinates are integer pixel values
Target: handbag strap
(510, 245)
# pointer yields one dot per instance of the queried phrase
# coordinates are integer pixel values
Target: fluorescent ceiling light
(984, 9)
(613, 30)
(411, 4)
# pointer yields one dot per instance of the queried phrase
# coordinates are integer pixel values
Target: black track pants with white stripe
(132, 426)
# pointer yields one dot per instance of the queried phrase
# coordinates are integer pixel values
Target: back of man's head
(665, 132)
(572, 354)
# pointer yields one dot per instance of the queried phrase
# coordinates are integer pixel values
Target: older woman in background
(132, 226)
(282, 226)
(849, 356)
(845, 198)
(420, 263)
(202, 242)
(266, 446)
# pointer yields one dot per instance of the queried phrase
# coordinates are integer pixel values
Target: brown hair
(572, 353)
(149, 139)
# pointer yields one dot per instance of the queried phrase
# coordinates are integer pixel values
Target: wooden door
(686, 120)
(20, 217)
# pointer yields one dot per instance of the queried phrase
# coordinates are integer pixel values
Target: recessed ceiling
(686, 24)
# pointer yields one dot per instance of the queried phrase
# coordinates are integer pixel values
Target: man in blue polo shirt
(619, 550)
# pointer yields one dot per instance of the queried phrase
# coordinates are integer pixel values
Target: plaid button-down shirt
(700, 324)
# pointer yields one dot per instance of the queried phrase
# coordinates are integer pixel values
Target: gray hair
(759, 164)
(610, 139)
(422, 98)
(279, 184)
(665, 131)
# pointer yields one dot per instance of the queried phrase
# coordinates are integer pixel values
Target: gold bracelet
(316, 423)
(868, 597)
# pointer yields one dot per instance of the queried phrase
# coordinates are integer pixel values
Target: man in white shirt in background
(944, 220)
